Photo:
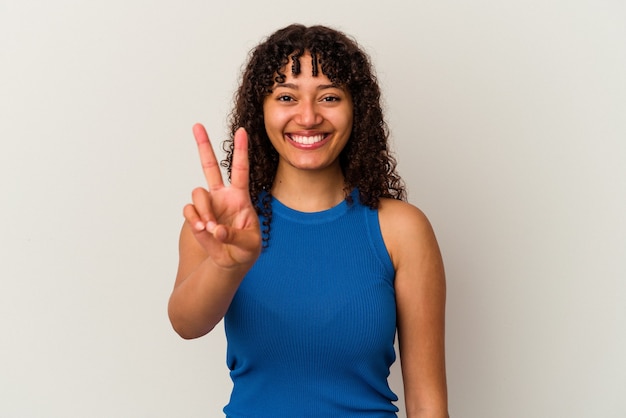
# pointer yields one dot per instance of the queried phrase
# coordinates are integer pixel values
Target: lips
(307, 139)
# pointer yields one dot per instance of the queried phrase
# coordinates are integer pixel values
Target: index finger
(240, 168)
(211, 168)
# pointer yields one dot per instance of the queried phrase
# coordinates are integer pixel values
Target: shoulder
(390, 209)
(406, 230)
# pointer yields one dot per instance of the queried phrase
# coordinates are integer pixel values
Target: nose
(308, 114)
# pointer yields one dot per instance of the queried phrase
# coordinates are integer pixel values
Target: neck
(309, 191)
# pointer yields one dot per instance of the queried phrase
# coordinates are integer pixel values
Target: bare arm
(420, 297)
(219, 242)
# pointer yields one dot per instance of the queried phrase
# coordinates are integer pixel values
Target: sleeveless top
(311, 328)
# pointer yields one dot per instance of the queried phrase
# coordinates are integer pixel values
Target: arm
(219, 242)
(420, 298)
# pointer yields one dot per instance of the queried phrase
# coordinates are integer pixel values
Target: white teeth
(307, 140)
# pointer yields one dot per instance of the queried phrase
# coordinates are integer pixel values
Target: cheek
(346, 120)
(274, 118)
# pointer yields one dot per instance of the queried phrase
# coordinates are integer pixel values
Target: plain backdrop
(509, 123)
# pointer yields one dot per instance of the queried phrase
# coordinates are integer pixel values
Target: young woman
(311, 254)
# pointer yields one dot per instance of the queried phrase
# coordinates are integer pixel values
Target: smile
(307, 140)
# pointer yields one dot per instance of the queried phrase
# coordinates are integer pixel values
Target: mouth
(307, 139)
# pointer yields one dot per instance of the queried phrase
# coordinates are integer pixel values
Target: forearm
(430, 402)
(428, 413)
(200, 301)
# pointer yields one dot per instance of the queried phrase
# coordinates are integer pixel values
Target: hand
(221, 217)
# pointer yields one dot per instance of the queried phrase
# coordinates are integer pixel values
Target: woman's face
(308, 119)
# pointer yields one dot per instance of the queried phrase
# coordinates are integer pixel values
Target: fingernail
(210, 226)
(199, 226)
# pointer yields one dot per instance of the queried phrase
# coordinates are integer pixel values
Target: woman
(311, 255)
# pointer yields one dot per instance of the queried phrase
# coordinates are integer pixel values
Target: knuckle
(209, 164)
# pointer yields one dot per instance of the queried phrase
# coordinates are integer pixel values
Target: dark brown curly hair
(366, 161)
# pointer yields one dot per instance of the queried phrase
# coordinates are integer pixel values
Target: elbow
(182, 325)
(183, 331)
(187, 322)
(188, 331)
(186, 335)
(185, 327)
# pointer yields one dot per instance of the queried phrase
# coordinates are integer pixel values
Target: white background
(509, 123)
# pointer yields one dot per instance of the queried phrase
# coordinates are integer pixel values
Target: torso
(312, 327)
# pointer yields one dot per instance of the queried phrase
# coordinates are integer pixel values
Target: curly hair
(366, 162)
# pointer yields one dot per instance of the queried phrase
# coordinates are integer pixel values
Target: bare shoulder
(406, 230)
(397, 213)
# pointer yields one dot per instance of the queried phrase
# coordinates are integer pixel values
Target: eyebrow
(296, 87)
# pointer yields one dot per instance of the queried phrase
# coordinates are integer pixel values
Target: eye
(330, 99)
(284, 98)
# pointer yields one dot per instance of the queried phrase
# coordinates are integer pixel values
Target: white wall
(509, 120)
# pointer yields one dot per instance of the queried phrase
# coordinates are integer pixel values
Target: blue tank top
(311, 328)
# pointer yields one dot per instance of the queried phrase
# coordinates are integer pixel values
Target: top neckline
(326, 215)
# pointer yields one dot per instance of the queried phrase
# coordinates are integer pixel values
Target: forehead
(301, 66)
